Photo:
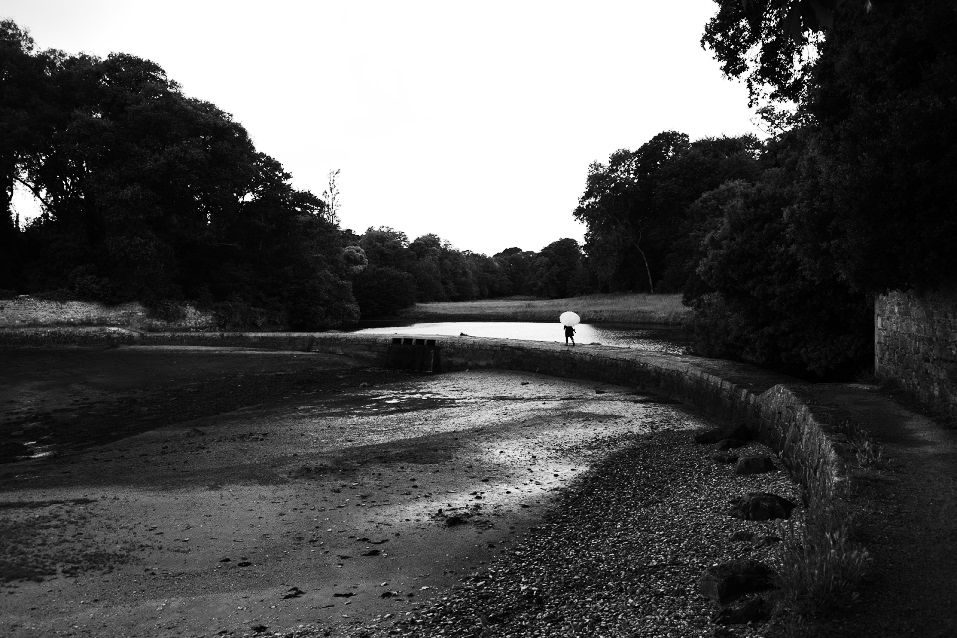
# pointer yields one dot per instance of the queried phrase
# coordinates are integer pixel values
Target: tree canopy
(855, 193)
(148, 194)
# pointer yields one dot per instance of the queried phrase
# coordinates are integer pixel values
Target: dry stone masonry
(915, 345)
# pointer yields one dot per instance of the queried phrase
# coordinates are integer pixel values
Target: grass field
(619, 308)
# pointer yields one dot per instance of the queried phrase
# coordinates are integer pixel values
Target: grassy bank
(620, 308)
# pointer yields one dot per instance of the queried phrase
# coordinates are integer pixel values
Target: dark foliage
(383, 290)
(855, 195)
(150, 195)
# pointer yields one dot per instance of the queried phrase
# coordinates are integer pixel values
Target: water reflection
(656, 339)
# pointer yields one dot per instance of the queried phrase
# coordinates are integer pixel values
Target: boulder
(754, 465)
(729, 581)
(761, 506)
(742, 536)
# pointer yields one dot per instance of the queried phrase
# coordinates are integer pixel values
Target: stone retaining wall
(915, 345)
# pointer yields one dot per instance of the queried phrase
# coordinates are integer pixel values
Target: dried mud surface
(201, 492)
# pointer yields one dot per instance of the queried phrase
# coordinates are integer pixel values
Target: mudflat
(195, 491)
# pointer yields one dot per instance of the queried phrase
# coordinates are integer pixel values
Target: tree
(635, 207)
(618, 198)
(758, 300)
(150, 195)
(558, 270)
(878, 104)
(330, 197)
(383, 290)
(385, 246)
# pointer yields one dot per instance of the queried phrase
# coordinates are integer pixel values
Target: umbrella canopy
(569, 318)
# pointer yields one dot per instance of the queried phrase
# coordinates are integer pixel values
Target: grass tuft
(867, 452)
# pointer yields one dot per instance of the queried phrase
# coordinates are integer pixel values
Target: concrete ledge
(776, 407)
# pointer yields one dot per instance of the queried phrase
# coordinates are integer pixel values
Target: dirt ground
(201, 492)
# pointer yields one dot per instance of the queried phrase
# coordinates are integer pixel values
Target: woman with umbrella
(569, 319)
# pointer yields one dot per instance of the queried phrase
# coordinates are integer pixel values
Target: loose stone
(761, 506)
(754, 465)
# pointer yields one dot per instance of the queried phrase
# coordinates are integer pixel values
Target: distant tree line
(399, 273)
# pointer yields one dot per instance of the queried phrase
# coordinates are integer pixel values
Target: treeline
(399, 273)
(150, 195)
(781, 246)
(153, 196)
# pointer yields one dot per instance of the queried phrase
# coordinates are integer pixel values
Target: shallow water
(656, 339)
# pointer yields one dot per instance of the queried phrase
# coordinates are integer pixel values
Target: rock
(742, 536)
(294, 592)
(372, 552)
(729, 581)
(761, 506)
(751, 609)
(725, 457)
(730, 444)
(754, 465)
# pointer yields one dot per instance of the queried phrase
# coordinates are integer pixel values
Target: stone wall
(915, 345)
(25, 311)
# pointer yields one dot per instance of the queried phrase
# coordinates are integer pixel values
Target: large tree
(635, 206)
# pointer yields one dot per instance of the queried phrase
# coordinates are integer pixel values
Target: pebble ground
(618, 555)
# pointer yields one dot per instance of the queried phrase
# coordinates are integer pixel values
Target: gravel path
(619, 554)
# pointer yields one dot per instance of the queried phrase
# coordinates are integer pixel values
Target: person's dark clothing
(569, 334)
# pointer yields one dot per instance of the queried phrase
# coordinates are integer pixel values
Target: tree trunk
(651, 285)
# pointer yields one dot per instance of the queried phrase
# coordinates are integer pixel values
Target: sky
(475, 121)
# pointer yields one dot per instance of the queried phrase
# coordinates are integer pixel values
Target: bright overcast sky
(472, 120)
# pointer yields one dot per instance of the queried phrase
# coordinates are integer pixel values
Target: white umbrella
(569, 318)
